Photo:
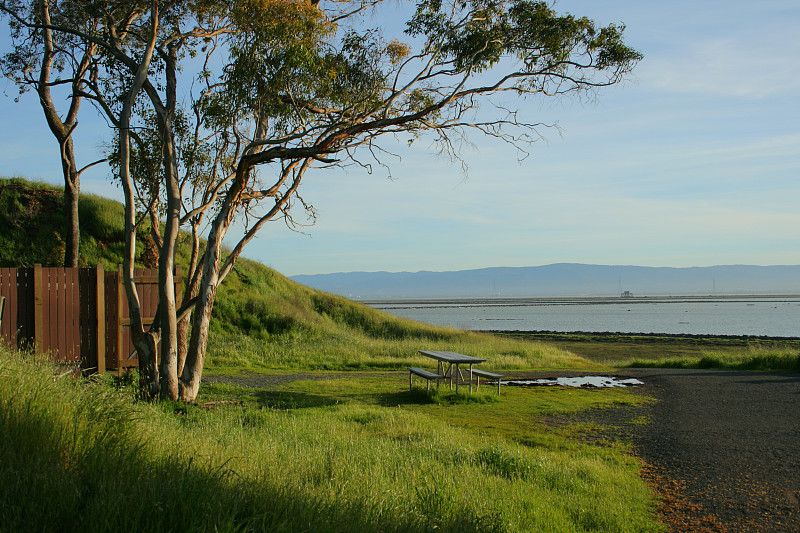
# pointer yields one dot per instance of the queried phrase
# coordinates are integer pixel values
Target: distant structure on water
(626, 294)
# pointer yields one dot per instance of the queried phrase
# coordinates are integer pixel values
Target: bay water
(771, 316)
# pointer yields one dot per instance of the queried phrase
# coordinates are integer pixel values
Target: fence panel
(60, 310)
(92, 318)
(77, 314)
(16, 285)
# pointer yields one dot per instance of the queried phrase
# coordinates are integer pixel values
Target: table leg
(449, 373)
(458, 375)
(470, 378)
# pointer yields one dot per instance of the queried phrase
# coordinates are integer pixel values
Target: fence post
(100, 307)
(38, 310)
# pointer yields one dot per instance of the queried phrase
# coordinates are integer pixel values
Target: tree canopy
(221, 108)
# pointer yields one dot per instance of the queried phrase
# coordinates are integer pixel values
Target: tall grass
(755, 358)
(81, 456)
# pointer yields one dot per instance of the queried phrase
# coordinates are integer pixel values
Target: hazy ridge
(561, 279)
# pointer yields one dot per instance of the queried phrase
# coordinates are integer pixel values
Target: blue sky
(693, 162)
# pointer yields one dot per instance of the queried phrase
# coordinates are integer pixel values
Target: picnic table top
(451, 357)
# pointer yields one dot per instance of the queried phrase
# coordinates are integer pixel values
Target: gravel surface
(722, 448)
(731, 441)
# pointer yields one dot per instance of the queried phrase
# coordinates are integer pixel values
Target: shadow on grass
(440, 396)
(405, 397)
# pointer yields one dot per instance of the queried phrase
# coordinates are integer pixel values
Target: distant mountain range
(563, 279)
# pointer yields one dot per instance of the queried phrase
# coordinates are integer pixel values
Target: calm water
(770, 316)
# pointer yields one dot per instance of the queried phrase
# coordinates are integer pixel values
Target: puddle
(583, 381)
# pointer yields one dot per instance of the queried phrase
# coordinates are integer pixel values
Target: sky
(693, 161)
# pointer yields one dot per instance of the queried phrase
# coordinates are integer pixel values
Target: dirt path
(731, 442)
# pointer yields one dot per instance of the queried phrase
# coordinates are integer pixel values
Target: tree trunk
(72, 189)
(189, 292)
(166, 260)
(148, 372)
(196, 353)
(146, 342)
(62, 130)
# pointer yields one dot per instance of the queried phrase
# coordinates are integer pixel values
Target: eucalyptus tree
(43, 60)
(278, 90)
(329, 92)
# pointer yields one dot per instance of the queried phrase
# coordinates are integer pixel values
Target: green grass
(764, 359)
(31, 222)
(620, 350)
(353, 454)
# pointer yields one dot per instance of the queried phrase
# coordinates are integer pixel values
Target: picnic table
(450, 360)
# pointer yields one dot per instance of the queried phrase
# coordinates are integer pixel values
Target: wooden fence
(76, 315)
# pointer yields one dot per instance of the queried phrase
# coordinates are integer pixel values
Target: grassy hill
(261, 319)
(357, 453)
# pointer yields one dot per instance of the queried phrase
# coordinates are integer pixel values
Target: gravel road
(731, 442)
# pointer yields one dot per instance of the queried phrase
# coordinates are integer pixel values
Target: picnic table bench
(427, 375)
(488, 375)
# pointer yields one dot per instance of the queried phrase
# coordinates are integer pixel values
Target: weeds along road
(731, 440)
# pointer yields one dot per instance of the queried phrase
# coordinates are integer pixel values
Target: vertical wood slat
(47, 320)
(23, 320)
(51, 305)
(6, 318)
(100, 315)
(73, 311)
(120, 309)
(87, 351)
(89, 320)
(110, 285)
(38, 309)
(29, 277)
(59, 342)
(17, 313)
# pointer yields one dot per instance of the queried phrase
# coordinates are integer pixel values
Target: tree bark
(166, 261)
(189, 292)
(145, 342)
(72, 189)
(62, 130)
(196, 353)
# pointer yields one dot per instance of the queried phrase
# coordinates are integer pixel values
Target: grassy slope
(264, 320)
(32, 221)
(357, 454)
(261, 319)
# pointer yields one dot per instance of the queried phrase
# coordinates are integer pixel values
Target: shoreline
(611, 335)
(572, 300)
